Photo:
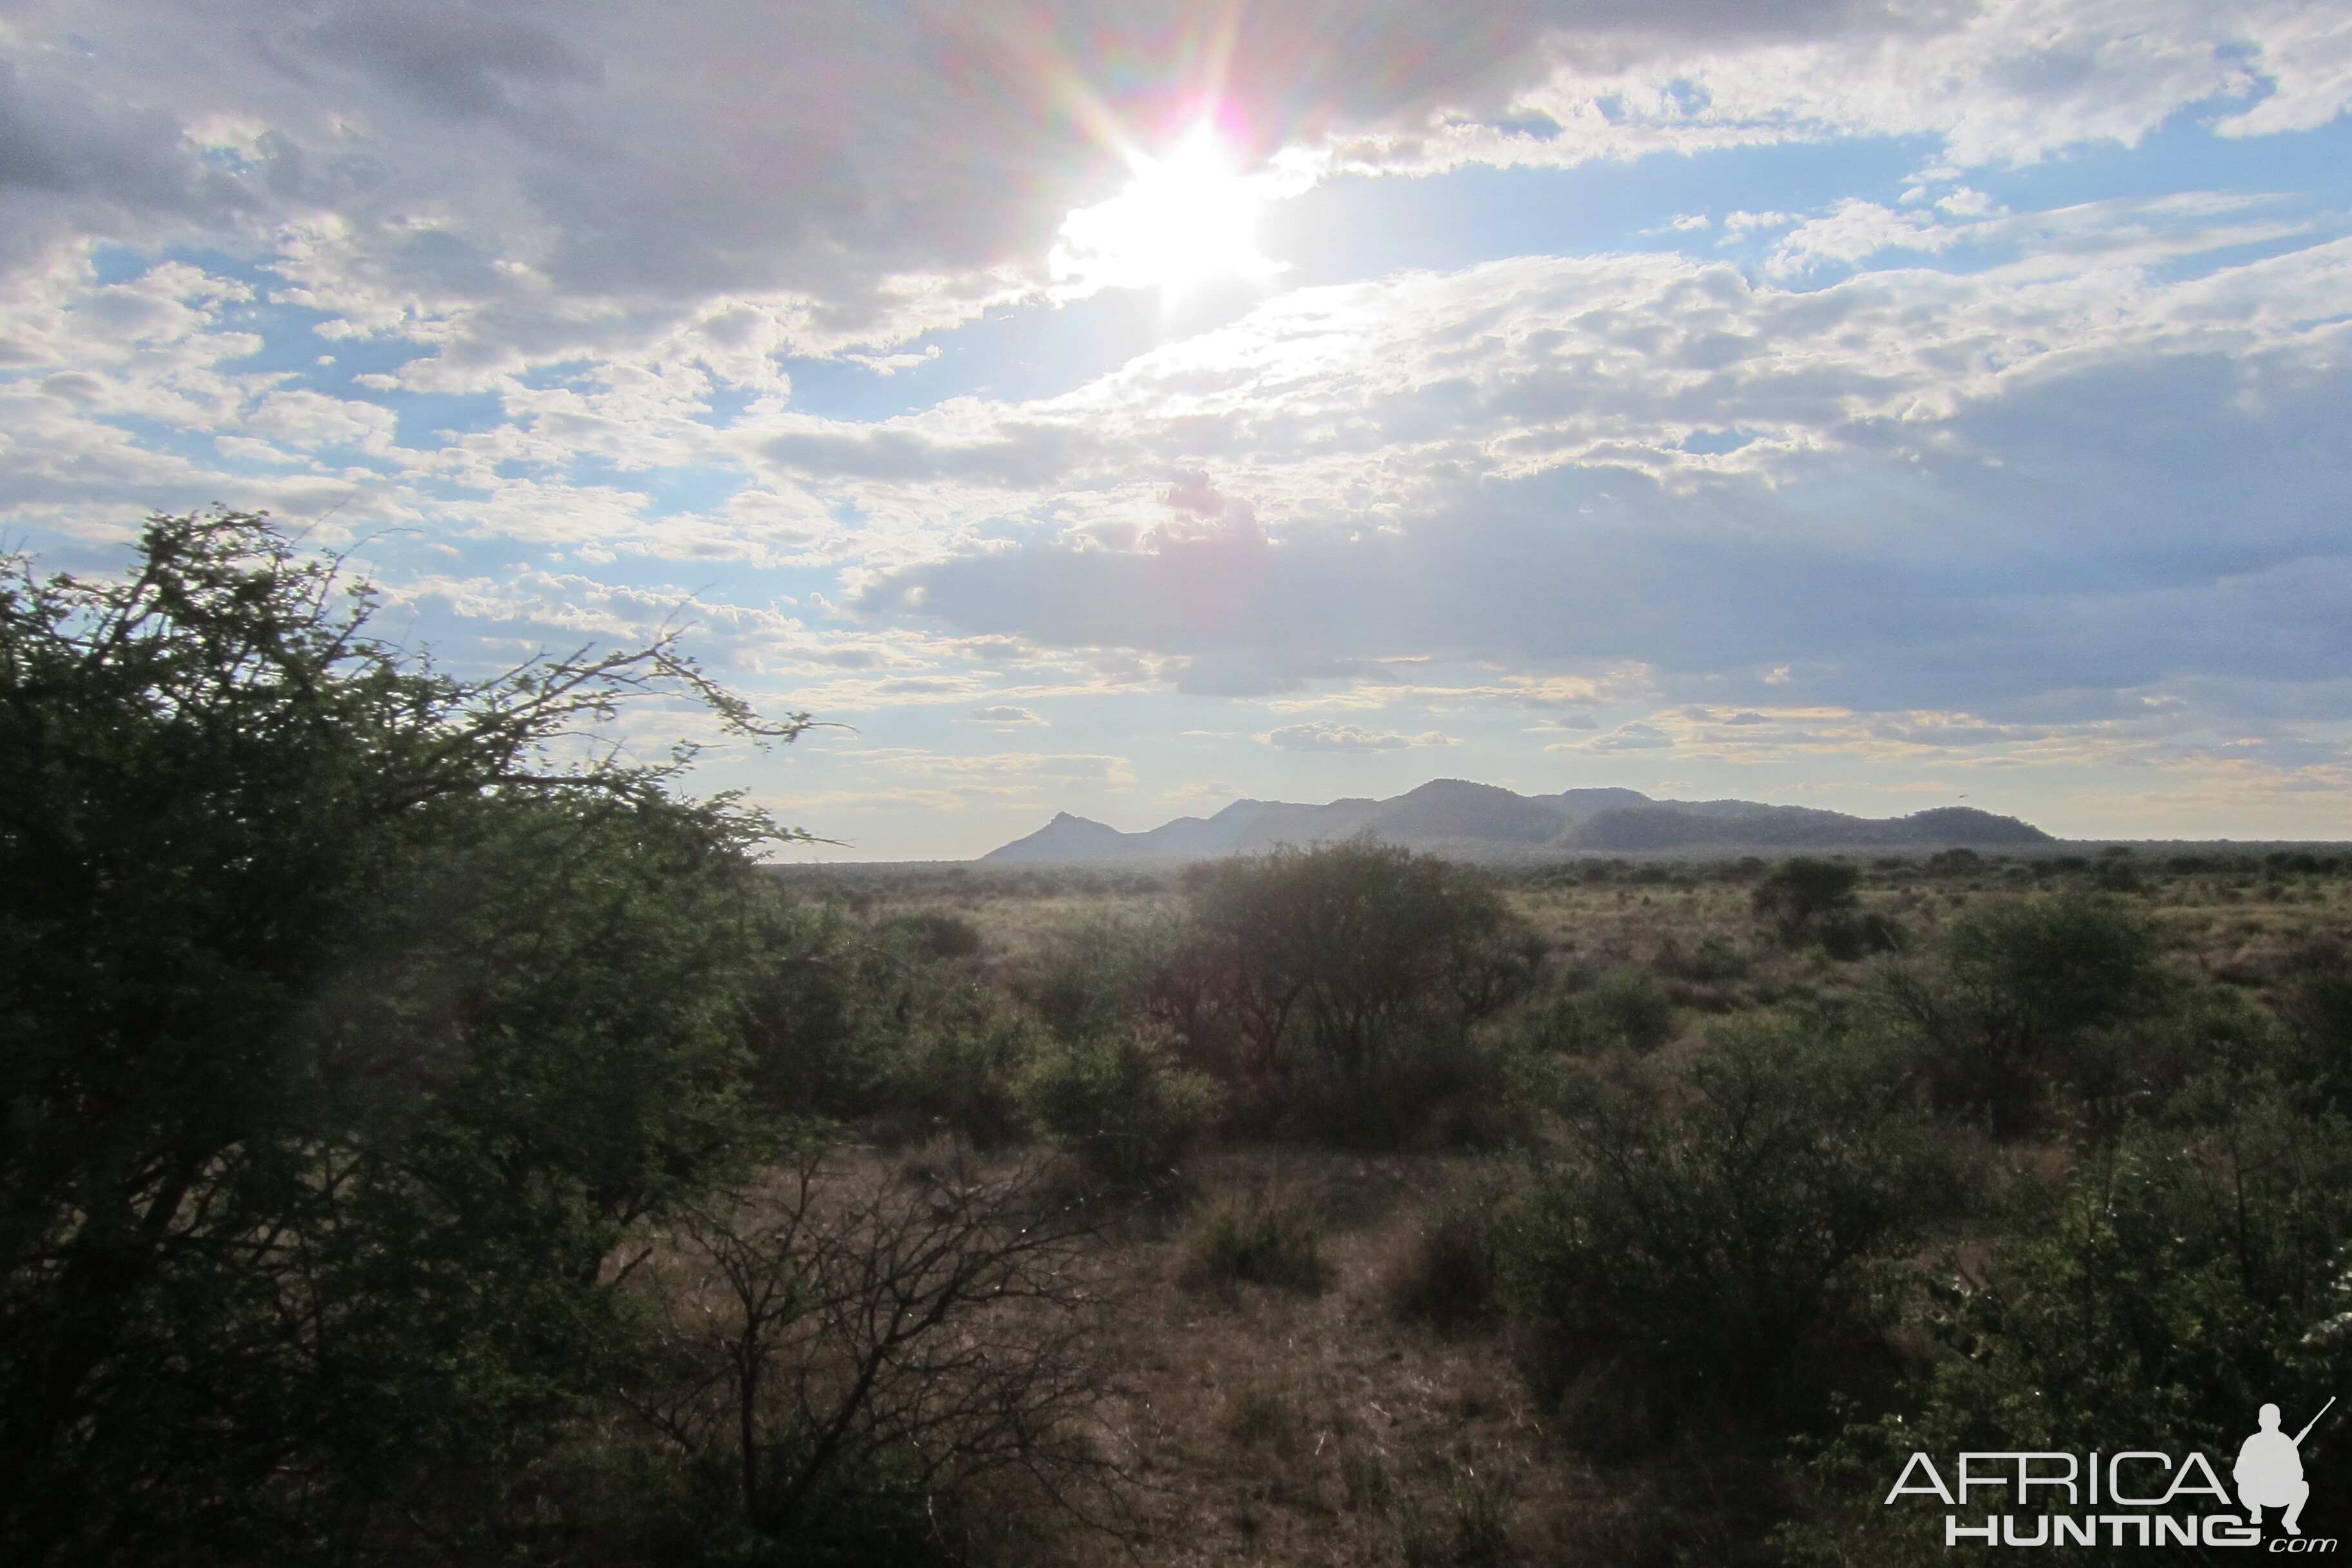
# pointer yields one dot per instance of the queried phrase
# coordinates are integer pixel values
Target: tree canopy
(342, 1029)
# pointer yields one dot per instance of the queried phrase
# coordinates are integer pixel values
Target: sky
(1127, 406)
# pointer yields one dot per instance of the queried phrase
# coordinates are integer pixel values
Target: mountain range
(1482, 822)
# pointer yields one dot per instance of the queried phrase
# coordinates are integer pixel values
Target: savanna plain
(1626, 1212)
(424, 1150)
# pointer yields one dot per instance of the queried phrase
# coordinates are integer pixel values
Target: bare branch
(862, 1337)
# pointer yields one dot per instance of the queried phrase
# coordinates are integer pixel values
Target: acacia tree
(2002, 1012)
(340, 1030)
(1357, 969)
(1802, 893)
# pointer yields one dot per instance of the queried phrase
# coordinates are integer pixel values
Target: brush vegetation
(431, 1142)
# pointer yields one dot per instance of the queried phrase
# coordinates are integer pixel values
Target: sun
(1185, 218)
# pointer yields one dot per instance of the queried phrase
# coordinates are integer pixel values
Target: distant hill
(1475, 821)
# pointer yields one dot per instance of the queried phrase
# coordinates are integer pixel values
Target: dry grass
(1262, 1234)
(1265, 1424)
(1337, 1394)
(1270, 1420)
(1441, 1271)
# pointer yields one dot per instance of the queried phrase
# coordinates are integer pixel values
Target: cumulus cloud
(1324, 735)
(536, 175)
(2007, 81)
(1945, 470)
(1858, 229)
(529, 182)
(1933, 477)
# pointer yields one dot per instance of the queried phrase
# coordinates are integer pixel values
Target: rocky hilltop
(1480, 822)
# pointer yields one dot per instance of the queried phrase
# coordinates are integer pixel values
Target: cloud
(1964, 490)
(71, 160)
(537, 177)
(1254, 671)
(74, 386)
(2074, 470)
(1857, 229)
(1000, 765)
(2007, 81)
(451, 59)
(1024, 455)
(309, 420)
(1546, 692)
(526, 183)
(1635, 737)
(1005, 715)
(1324, 735)
(1909, 472)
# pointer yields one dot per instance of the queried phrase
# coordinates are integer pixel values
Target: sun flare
(1185, 218)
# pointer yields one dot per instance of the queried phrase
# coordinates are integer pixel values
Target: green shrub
(1702, 1254)
(932, 935)
(1623, 1009)
(2115, 870)
(2152, 1299)
(2012, 987)
(2181, 1064)
(1119, 1102)
(2315, 1001)
(890, 1025)
(1849, 934)
(2049, 965)
(1810, 901)
(1098, 973)
(805, 1012)
(955, 1065)
(1338, 986)
(1801, 892)
(1707, 960)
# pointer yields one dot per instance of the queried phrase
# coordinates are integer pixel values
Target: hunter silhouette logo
(2269, 1471)
(2155, 1501)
